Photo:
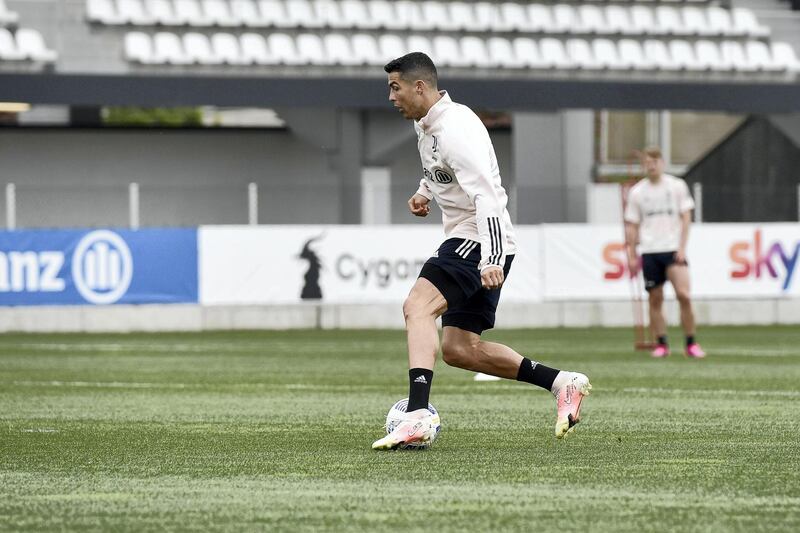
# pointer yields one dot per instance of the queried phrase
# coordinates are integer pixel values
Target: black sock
(689, 339)
(662, 339)
(419, 388)
(536, 373)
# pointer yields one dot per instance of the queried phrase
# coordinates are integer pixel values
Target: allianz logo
(102, 269)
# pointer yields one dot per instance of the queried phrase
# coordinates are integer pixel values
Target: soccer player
(461, 282)
(658, 216)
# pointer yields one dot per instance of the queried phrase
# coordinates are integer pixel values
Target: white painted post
(697, 189)
(11, 206)
(133, 205)
(252, 204)
(376, 191)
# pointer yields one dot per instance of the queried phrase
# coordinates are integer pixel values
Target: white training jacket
(461, 174)
(657, 208)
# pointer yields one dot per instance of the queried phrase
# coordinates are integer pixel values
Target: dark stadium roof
(512, 94)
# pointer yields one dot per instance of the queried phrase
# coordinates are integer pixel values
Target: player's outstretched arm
(418, 205)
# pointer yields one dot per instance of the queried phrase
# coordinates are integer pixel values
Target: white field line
(237, 347)
(263, 347)
(333, 388)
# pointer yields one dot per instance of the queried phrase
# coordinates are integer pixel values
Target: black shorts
(454, 271)
(654, 268)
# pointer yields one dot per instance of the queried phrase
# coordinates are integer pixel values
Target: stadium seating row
(470, 51)
(25, 45)
(433, 15)
(7, 17)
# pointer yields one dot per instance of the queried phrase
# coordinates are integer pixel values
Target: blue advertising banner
(105, 266)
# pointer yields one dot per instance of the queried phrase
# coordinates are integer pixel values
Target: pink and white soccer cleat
(568, 400)
(660, 351)
(694, 351)
(419, 426)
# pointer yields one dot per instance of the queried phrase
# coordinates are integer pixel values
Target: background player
(657, 217)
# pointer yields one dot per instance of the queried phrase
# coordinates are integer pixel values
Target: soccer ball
(398, 412)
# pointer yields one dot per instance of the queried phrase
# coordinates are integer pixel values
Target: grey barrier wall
(129, 318)
(80, 177)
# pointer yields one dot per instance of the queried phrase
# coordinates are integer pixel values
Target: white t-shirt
(461, 173)
(657, 208)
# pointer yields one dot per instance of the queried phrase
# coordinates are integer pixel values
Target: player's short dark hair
(414, 66)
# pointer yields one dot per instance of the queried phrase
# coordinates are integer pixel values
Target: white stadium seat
(162, 11)
(515, 17)
(592, 20)
(447, 52)
(189, 12)
(364, 47)
(463, 16)
(226, 48)
(438, 14)
(580, 52)
(630, 52)
(420, 43)
(7, 17)
(657, 52)
(355, 14)
(8, 47)
(528, 53)
(133, 12)
(197, 49)
(565, 19)
(554, 55)
(607, 56)
(301, 14)
(475, 52)
(720, 21)
(644, 20)
(709, 57)
(488, 13)
(283, 49)
(784, 55)
(391, 47)
(682, 53)
(695, 21)
(733, 53)
(219, 13)
(482, 17)
(403, 13)
(254, 49)
(383, 13)
(618, 21)
(329, 14)
(247, 12)
(311, 50)
(138, 47)
(746, 23)
(338, 50)
(168, 48)
(540, 18)
(31, 43)
(758, 54)
(273, 13)
(104, 12)
(670, 21)
(502, 53)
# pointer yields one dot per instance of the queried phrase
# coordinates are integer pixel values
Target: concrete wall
(122, 318)
(80, 177)
(67, 178)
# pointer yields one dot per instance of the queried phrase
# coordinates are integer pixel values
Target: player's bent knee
(458, 355)
(414, 308)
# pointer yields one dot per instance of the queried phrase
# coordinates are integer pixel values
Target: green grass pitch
(271, 431)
